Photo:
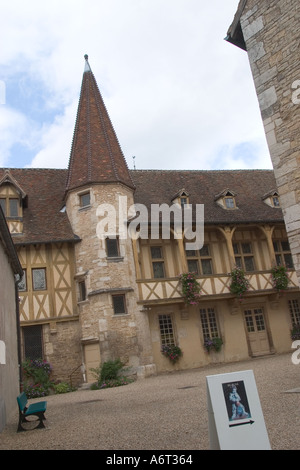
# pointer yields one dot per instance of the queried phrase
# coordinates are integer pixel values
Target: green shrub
(63, 387)
(108, 375)
(110, 370)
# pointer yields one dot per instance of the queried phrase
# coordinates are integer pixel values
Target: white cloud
(178, 95)
(56, 141)
(14, 127)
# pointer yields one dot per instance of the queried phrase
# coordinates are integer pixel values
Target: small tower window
(85, 199)
(81, 291)
(112, 247)
(119, 304)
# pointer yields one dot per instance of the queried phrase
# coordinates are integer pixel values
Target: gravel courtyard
(165, 412)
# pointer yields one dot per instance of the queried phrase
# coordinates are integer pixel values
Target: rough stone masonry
(271, 34)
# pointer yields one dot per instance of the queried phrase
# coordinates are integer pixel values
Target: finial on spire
(87, 67)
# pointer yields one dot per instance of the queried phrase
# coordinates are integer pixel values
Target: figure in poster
(238, 409)
(236, 400)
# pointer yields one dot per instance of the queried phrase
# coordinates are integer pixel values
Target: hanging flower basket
(213, 343)
(191, 290)
(280, 279)
(239, 284)
(172, 352)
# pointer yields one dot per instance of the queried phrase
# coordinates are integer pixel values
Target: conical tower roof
(96, 156)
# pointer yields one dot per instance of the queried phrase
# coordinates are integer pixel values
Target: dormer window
(183, 201)
(12, 201)
(181, 198)
(10, 206)
(226, 199)
(272, 199)
(229, 202)
(275, 200)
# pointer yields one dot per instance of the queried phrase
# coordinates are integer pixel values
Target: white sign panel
(2, 352)
(234, 412)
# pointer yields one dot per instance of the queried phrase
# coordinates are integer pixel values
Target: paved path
(165, 412)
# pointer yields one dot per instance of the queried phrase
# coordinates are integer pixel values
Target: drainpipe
(17, 280)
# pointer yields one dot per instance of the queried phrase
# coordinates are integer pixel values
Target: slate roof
(96, 156)
(250, 186)
(43, 220)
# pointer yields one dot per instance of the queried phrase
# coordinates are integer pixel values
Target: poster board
(2, 353)
(235, 416)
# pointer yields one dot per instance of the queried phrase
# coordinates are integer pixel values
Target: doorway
(92, 360)
(256, 331)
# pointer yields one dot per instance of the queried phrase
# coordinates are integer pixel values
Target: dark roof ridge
(33, 169)
(206, 171)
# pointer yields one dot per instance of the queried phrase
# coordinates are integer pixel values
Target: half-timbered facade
(92, 291)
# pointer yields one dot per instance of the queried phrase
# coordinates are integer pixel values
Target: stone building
(102, 271)
(269, 30)
(10, 273)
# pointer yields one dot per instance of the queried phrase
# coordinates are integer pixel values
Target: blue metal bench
(35, 409)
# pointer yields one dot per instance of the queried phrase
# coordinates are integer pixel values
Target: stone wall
(119, 336)
(271, 30)
(9, 370)
(63, 350)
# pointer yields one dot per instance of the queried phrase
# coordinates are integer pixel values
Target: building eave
(235, 33)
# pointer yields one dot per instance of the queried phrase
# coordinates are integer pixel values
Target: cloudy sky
(179, 96)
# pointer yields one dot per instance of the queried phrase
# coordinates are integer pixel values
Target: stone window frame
(120, 295)
(81, 196)
(82, 293)
(112, 251)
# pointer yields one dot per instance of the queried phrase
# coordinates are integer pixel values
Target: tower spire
(87, 67)
(96, 155)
